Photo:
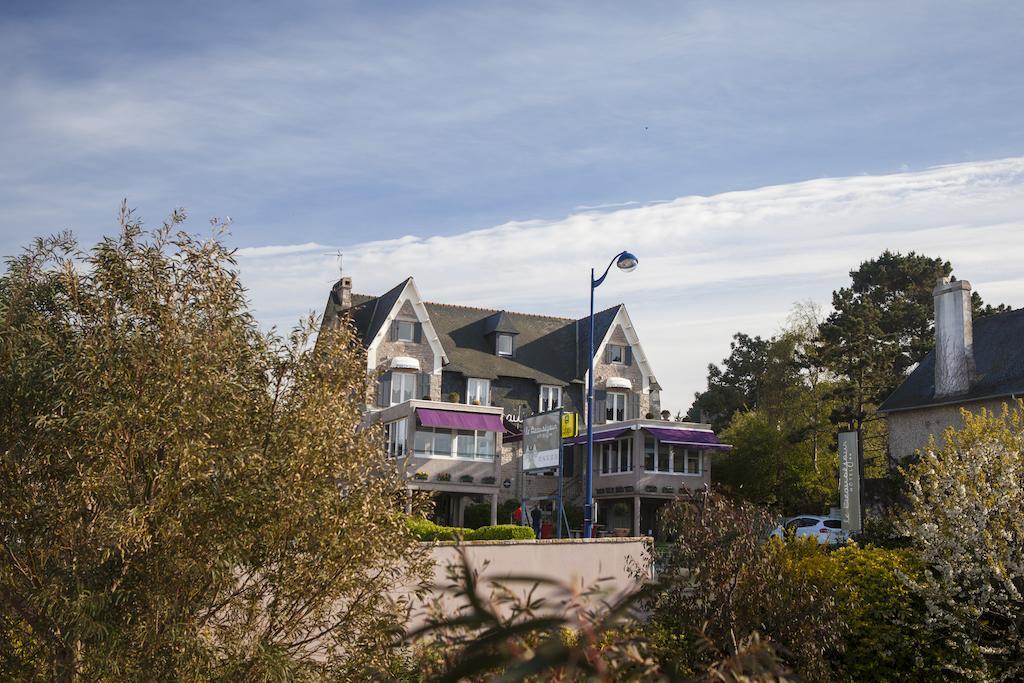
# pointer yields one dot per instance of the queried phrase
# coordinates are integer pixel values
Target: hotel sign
(849, 480)
(542, 440)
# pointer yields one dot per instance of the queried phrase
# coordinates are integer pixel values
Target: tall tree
(183, 496)
(880, 327)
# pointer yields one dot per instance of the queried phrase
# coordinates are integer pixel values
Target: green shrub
(426, 530)
(501, 532)
(478, 515)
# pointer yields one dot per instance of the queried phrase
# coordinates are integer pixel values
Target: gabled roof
(998, 356)
(602, 323)
(544, 349)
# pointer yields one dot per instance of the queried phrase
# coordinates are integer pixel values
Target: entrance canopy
(696, 438)
(451, 419)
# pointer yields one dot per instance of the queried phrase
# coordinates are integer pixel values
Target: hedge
(425, 530)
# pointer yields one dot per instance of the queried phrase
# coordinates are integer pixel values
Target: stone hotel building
(455, 382)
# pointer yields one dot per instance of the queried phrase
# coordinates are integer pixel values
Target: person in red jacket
(517, 516)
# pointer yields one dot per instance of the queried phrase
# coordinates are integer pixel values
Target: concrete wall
(576, 562)
(909, 430)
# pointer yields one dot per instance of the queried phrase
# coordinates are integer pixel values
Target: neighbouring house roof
(998, 357)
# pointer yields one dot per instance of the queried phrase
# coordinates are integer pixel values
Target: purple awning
(698, 438)
(609, 435)
(452, 419)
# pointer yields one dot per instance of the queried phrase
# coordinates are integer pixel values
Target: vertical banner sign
(542, 440)
(849, 480)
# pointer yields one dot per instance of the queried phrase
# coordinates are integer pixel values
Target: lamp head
(627, 261)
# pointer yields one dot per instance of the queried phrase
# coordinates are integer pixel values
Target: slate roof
(543, 350)
(998, 356)
(368, 312)
(547, 349)
(602, 323)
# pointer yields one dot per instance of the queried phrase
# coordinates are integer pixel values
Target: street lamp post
(627, 262)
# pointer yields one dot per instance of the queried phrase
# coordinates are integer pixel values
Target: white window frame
(612, 458)
(406, 378)
(398, 330)
(396, 436)
(497, 344)
(552, 400)
(622, 354)
(676, 451)
(615, 401)
(478, 438)
(485, 399)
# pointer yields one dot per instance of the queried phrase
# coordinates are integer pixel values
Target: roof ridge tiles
(501, 310)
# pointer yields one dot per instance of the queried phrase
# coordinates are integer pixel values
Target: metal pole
(561, 468)
(588, 508)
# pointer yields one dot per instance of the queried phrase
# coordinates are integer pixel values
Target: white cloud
(709, 266)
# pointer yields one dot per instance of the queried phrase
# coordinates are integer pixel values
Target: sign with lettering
(849, 480)
(542, 440)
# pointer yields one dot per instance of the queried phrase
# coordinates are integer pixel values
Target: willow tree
(181, 494)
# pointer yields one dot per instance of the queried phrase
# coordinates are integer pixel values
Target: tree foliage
(724, 587)
(183, 496)
(967, 520)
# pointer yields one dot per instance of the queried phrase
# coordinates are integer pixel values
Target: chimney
(954, 338)
(345, 293)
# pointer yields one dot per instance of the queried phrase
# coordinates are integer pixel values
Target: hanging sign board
(849, 480)
(542, 440)
(570, 425)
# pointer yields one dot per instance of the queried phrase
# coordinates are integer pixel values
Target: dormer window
(503, 343)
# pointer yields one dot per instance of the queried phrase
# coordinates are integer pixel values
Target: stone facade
(603, 370)
(911, 430)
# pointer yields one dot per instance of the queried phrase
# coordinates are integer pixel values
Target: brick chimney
(954, 338)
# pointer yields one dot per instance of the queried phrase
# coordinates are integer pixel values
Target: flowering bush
(967, 500)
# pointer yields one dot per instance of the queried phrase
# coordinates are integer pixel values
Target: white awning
(404, 363)
(618, 383)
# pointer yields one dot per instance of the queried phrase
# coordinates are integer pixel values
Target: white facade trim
(623, 320)
(412, 295)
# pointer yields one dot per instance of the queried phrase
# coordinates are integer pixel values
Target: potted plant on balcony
(443, 476)
(454, 397)
(466, 478)
(421, 476)
(488, 480)
(651, 488)
(667, 489)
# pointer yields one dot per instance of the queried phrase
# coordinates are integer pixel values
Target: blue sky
(335, 125)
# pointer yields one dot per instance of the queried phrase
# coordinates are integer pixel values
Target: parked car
(823, 528)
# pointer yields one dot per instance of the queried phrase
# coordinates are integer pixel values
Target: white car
(822, 528)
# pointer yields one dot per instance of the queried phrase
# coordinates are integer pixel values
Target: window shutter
(633, 409)
(424, 388)
(394, 330)
(417, 335)
(600, 397)
(608, 354)
(384, 390)
(629, 355)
